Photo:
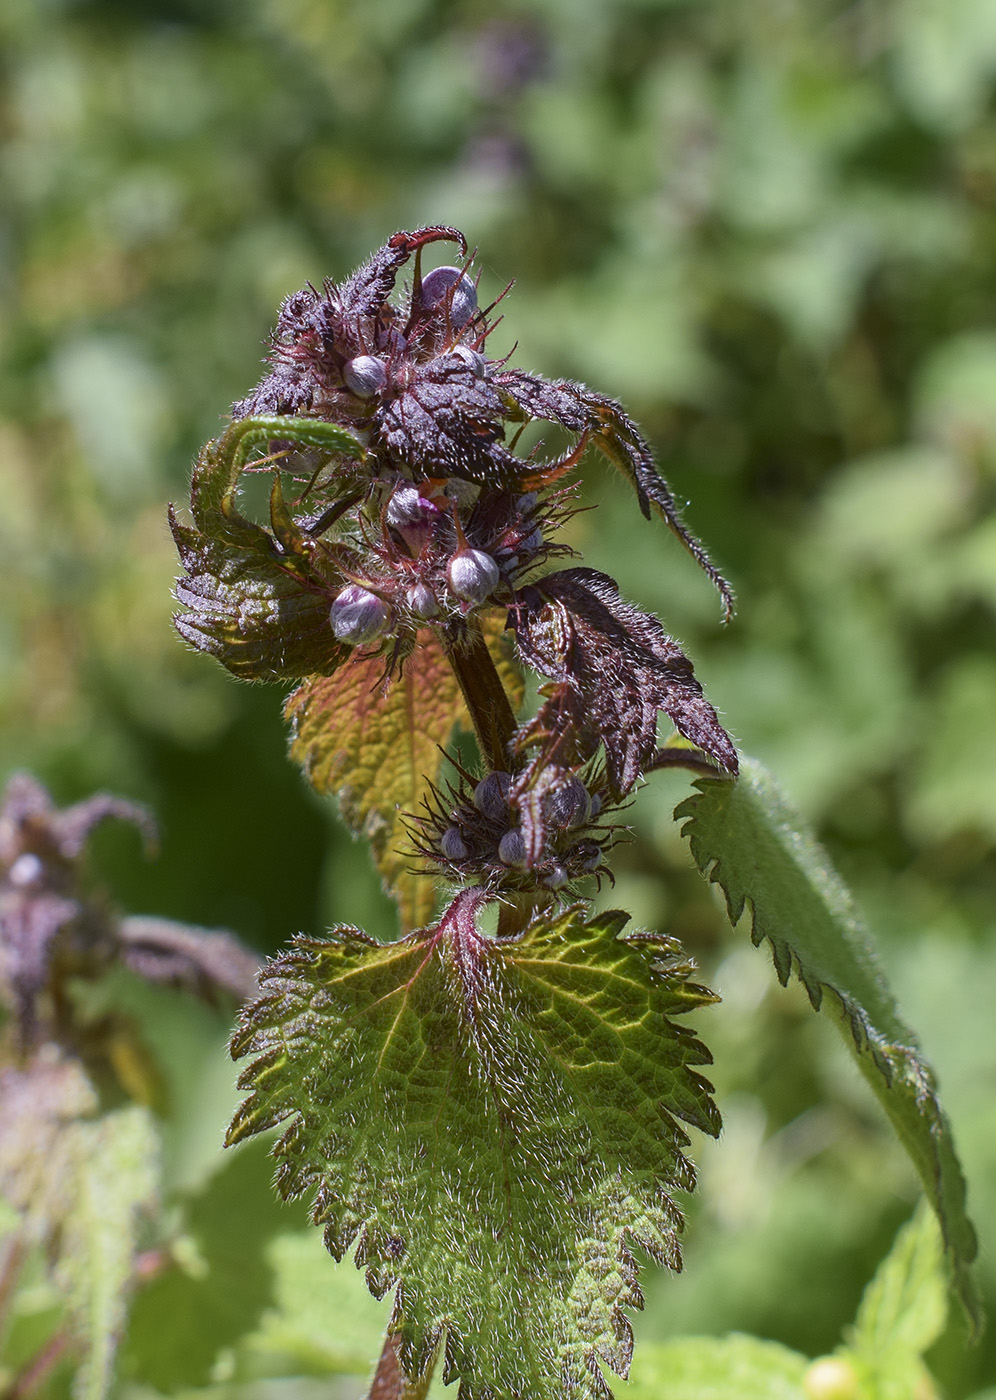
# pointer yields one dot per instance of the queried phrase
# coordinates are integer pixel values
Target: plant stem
(38, 1369)
(11, 1259)
(490, 710)
(390, 1381)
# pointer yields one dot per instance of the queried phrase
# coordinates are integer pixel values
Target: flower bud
(359, 616)
(512, 848)
(422, 601)
(472, 575)
(596, 806)
(586, 854)
(26, 870)
(364, 376)
(491, 795)
(408, 507)
(474, 361)
(463, 303)
(570, 805)
(556, 877)
(452, 844)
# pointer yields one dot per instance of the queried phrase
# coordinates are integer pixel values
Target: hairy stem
(390, 1381)
(490, 711)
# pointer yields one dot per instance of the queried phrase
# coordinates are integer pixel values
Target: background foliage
(767, 227)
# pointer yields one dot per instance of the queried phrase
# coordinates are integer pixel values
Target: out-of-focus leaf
(945, 59)
(380, 752)
(220, 1281)
(955, 393)
(81, 1184)
(496, 1121)
(953, 781)
(735, 1367)
(323, 1320)
(903, 1310)
(745, 837)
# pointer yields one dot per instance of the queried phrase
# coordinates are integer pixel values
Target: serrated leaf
(745, 837)
(380, 752)
(734, 1367)
(495, 1122)
(81, 1184)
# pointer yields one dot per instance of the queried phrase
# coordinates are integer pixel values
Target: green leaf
(257, 602)
(81, 1185)
(735, 1367)
(496, 1122)
(745, 837)
(323, 1320)
(220, 1283)
(379, 753)
(903, 1310)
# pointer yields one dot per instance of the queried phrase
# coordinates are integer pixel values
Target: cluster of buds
(413, 517)
(476, 832)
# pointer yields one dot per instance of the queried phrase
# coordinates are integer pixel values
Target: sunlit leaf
(745, 837)
(378, 752)
(734, 1367)
(495, 1122)
(903, 1310)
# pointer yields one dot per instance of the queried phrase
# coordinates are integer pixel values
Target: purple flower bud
(359, 616)
(472, 575)
(408, 507)
(26, 870)
(452, 844)
(570, 805)
(596, 806)
(474, 361)
(512, 848)
(436, 286)
(526, 504)
(491, 795)
(422, 601)
(364, 376)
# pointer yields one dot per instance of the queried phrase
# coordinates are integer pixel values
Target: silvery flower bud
(422, 601)
(364, 376)
(452, 844)
(359, 616)
(491, 795)
(586, 854)
(512, 848)
(436, 286)
(570, 805)
(555, 878)
(596, 806)
(526, 504)
(474, 361)
(472, 575)
(408, 507)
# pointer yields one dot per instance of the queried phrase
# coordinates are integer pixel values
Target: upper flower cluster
(413, 517)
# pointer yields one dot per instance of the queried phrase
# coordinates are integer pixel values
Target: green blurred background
(765, 225)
